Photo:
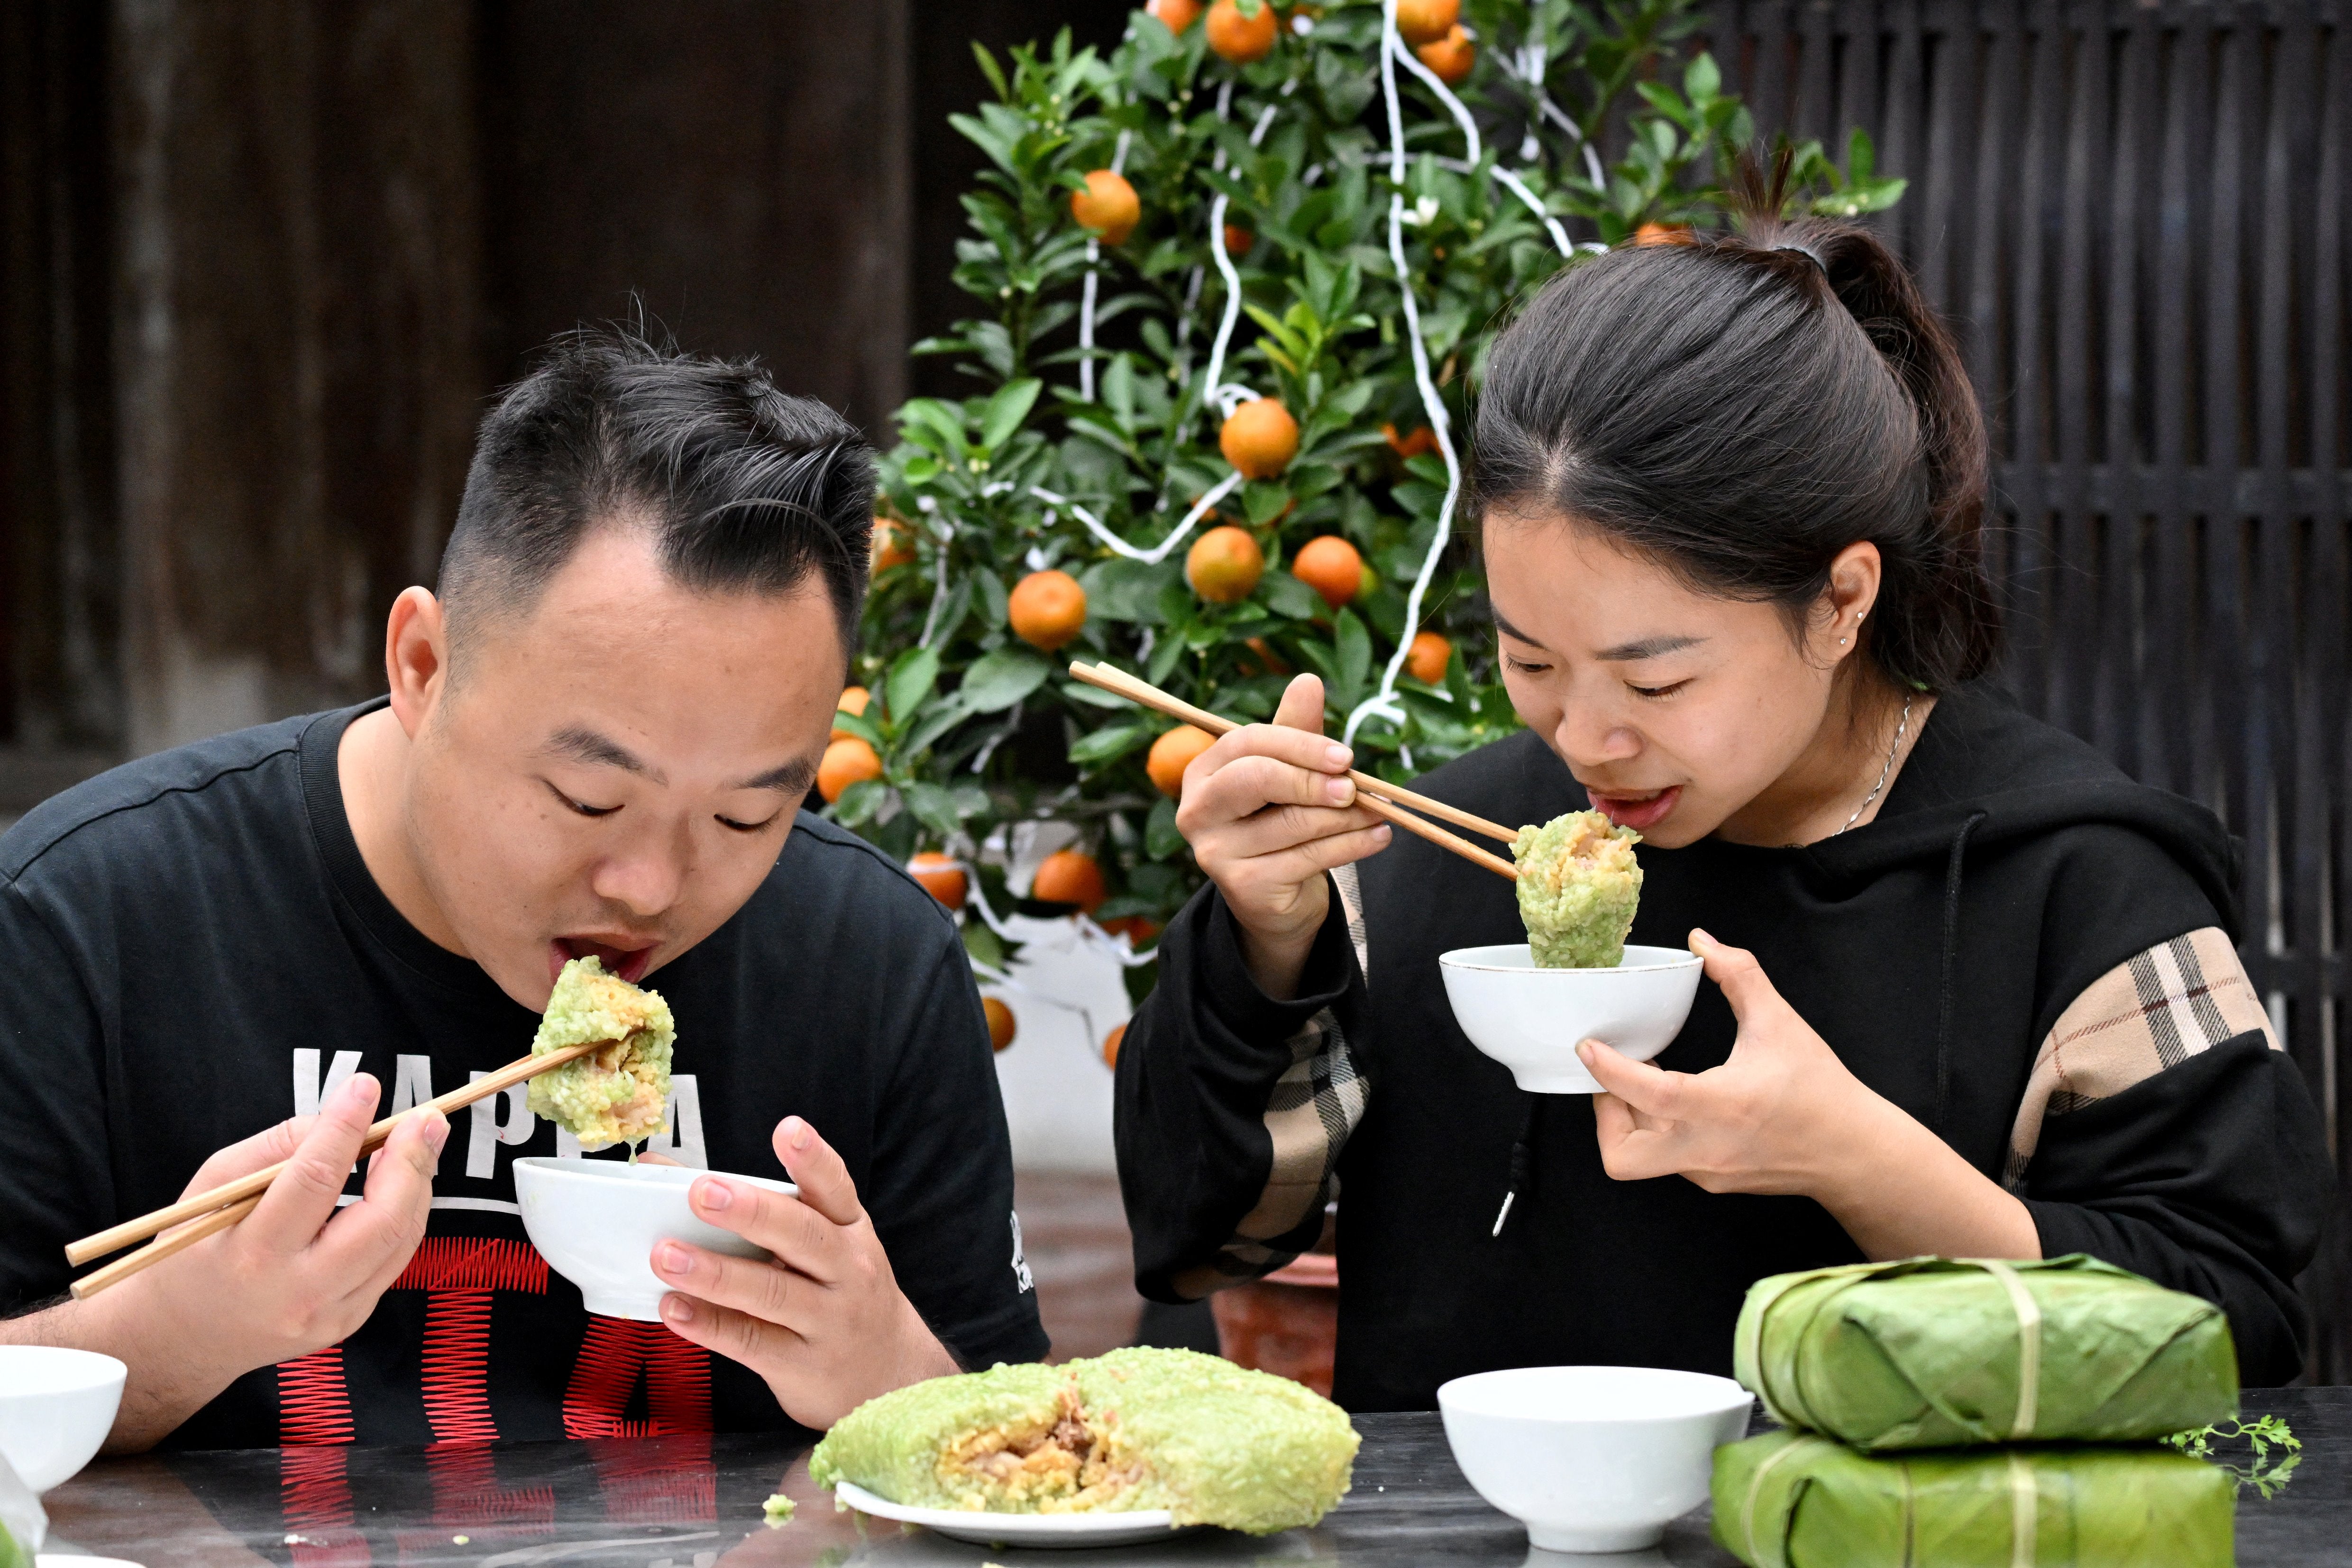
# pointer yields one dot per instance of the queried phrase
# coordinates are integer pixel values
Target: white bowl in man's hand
(596, 1222)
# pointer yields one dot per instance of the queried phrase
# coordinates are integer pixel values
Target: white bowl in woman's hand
(1530, 1019)
(595, 1222)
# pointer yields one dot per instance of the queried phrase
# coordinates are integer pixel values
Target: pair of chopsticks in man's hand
(209, 1212)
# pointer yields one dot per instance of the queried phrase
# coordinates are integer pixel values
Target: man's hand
(1783, 1114)
(296, 1275)
(825, 1324)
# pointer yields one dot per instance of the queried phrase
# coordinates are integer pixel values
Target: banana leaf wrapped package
(1790, 1499)
(1935, 1353)
(1136, 1430)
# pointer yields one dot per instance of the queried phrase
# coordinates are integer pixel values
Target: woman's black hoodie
(1934, 948)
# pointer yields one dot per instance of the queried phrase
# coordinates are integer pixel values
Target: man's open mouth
(628, 962)
(1637, 809)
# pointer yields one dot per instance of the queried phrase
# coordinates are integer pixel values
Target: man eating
(597, 737)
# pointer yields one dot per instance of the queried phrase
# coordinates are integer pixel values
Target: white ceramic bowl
(55, 1408)
(595, 1222)
(1529, 1019)
(1591, 1458)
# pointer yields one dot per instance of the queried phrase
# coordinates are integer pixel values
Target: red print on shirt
(614, 1354)
(458, 1274)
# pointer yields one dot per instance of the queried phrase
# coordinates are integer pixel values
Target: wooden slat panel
(2279, 631)
(1766, 80)
(1950, 61)
(1855, 100)
(2232, 730)
(2324, 821)
(2135, 214)
(2171, 276)
(2079, 348)
(2130, 233)
(1902, 126)
(2050, 631)
(1810, 115)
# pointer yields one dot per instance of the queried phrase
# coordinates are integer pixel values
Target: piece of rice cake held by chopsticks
(1579, 886)
(617, 1094)
(1130, 1431)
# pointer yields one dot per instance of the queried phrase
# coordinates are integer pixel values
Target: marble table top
(695, 1502)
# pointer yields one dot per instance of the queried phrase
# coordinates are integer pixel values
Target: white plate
(1018, 1529)
(57, 1560)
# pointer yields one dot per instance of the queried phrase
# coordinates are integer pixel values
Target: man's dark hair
(746, 487)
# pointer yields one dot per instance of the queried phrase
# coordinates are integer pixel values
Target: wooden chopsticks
(1378, 796)
(224, 1205)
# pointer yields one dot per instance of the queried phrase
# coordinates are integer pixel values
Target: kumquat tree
(1235, 284)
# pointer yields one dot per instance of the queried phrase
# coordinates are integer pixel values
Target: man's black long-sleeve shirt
(196, 951)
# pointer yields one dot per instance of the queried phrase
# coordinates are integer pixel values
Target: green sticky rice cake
(616, 1094)
(1579, 885)
(1133, 1430)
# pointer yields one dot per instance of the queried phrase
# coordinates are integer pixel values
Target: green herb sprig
(2265, 1474)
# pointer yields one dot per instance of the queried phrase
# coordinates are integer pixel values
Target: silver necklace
(1883, 773)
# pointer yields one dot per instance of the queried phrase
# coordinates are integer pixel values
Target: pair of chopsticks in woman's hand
(1378, 796)
(209, 1212)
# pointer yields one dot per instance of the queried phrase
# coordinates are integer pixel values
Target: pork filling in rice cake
(618, 1093)
(1134, 1430)
(1579, 886)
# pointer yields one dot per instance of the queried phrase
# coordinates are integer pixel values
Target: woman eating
(1976, 992)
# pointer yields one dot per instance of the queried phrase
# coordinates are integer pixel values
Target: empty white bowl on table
(1591, 1458)
(1530, 1019)
(595, 1222)
(55, 1408)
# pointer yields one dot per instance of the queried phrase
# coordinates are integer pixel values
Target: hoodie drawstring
(1950, 966)
(1521, 1158)
(1519, 1163)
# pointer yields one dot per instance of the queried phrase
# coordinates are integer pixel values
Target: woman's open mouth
(628, 963)
(1638, 811)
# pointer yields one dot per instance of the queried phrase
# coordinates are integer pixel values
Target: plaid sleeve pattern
(2155, 1009)
(1316, 1103)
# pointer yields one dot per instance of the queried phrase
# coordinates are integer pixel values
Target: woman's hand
(1268, 809)
(1783, 1114)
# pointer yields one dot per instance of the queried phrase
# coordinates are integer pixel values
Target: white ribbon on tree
(1393, 48)
(1119, 546)
(1090, 935)
(1087, 296)
(1382, 704)
(944, 526)
(1213, 393)
(1529, 69)
(1225, 269)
